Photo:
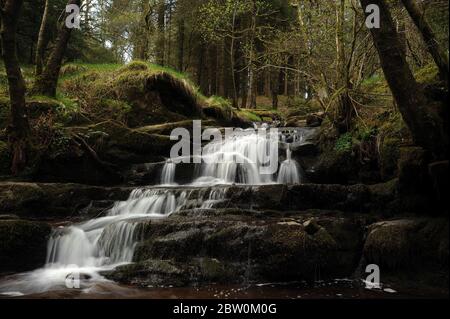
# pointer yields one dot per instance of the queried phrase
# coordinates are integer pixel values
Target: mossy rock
(335, 166)
(154, 97)
(22, 244)
(408, 244)
(221, 113)
(248, 116)
(388, 157)
(37, 107)
(134, 66)
(18, 197)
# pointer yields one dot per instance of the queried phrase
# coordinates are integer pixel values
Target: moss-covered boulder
(408, 244)
(172, 273)
(19, 197)
(238, 248)
(23, 244)
(152, 94)
(100, 154)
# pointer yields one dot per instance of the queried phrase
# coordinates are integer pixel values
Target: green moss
(427, 74)
(134, 66)
(248, 115)
(119, 109)
(344, 143)
(367, 134)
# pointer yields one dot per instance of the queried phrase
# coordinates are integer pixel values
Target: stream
(82, 251)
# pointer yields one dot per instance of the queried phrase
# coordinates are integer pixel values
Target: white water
(168, 173)
(97, 245)
(290, 172)
(240, 160)
(104, 243)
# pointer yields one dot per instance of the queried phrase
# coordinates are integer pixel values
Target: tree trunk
(181, 29)
(161, 42)
(233, 62)
(19, 129)
(275, 83)
(439, 55)
(47, 82)
(42, 41)
(426, 126)
(344, 112)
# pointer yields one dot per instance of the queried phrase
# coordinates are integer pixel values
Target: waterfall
(290, 171)
(238, 160)
(104, 243)
(112, 239)
(168, 173)
(215, 196)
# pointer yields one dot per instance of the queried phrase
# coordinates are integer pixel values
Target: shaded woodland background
(290, 57)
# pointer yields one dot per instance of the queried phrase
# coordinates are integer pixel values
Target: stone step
(43, 200)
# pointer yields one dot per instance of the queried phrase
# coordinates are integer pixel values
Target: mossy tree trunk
(425, 124)
(20, 128)
(46, 83)
(439, 55)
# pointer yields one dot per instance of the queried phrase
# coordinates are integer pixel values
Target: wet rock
(177, 245)
(311, 227)
(9, 217)
(315, 119)
(49, 200)
(150, 174)
(22, 244)
(296, 121)
(305, 149)
(170, 273)
(45, 200)
(241, 248)
(408, 244)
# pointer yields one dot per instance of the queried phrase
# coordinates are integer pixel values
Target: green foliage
(427, 74)
(249, 115)
(344, 143)
(367, 134)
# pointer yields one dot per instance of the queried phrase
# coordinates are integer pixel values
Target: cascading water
(98, 244)
(238, 159)
(106, 242)
(168, 173)
(290, 171)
